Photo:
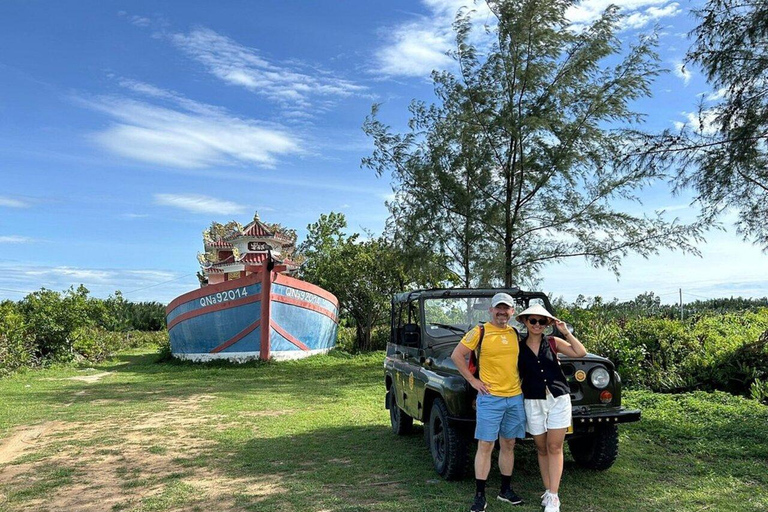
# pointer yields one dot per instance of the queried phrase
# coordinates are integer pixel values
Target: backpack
(474, 356)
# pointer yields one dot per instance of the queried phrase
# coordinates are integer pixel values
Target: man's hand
(480, 386)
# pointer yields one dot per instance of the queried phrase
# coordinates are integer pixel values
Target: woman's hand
(561, 326)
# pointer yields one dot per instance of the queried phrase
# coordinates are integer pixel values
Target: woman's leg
(541, 451)
(554, 448)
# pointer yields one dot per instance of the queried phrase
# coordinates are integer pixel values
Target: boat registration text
(215, 298)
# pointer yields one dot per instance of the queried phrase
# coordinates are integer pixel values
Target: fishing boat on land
(250, 308)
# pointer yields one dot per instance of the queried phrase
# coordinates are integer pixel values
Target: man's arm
(459, 358)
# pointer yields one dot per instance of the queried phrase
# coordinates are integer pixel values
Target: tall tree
(362, 273)
(724, 152)
(520, 162)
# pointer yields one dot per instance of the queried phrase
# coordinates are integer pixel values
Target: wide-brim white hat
(536, 309)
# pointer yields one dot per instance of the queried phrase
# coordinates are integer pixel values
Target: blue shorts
(500, 416)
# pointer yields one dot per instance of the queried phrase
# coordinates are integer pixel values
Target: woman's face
(536, 324)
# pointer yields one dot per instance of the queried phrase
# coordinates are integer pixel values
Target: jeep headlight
(600, 378)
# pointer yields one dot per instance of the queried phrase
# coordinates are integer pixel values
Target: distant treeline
(51, 326)
(649, 305)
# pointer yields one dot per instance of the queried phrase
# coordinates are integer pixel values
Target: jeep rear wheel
(448, 445)
(400, 421)
(597, 450)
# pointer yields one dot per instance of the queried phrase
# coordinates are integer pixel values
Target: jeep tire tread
(400, 421)
(597, 450)
(448, 445)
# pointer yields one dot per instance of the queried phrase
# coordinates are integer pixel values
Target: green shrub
(16, 345)
(97, 344)
(609, 340)
(345, 339)
(52, 318)
(93, 343)
(665, 347)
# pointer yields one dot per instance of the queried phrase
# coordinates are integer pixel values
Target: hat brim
(534, 310)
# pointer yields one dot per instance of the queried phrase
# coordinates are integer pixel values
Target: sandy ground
(120, 462)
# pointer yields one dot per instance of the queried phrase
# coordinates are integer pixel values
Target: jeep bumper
(583, 421)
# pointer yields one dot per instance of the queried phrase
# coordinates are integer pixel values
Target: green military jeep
(423, 384)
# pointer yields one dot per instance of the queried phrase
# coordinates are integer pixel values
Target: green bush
(53, 317)
(759, 391)
(715, 351)
(345, 339)
(16, 345)
(97, 344)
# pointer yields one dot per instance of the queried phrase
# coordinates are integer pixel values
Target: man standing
(500, 410)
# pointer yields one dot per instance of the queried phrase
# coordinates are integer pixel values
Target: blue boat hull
(258, 316)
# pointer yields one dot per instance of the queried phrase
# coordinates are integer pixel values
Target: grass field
(135, 435)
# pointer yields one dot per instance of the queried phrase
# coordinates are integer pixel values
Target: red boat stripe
(282, 332)
(303, 304)
(242, 334)
(215, 307)
(212, 288)
(307, 287)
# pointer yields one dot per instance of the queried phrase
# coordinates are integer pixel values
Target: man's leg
(489, 414)
(512, 427)
(483, 459)
(506, 456)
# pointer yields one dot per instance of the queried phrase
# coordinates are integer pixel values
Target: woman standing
(546, 393)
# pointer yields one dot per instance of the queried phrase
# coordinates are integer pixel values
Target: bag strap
(552, 344)
(481, 328)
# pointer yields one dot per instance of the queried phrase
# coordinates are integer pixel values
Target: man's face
(501, 314)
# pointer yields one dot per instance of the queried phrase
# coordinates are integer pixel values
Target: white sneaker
(545, 498)
(553, 505)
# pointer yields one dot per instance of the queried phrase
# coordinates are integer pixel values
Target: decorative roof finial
(256, 216)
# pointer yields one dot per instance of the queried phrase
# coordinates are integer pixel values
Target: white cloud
(680, 71)
(80, 274)
(200, 204)
(717, 95)
(134, 215)
(704, 124)
(13, 203)
(415, 50)
(243, 66)
(416, 47)
(643, 18)
(189, 135)
(17, 279)
(15, 239)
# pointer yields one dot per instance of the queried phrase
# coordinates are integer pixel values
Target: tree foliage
(723, 153)
(522, 158)
(362, 273)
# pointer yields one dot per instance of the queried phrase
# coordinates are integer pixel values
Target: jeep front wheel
(447, 444)
(400, 421)
(597, 450)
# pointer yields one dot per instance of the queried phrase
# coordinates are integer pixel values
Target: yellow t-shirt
(498, 358)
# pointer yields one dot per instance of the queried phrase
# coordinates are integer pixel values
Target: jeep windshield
(449, 318)
(453, 316)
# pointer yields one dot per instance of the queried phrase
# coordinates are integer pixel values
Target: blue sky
(127, 127)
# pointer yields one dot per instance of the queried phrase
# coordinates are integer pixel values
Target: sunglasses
(539, 321)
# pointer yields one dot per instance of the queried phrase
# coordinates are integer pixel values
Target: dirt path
(23, 439)
(119, 463)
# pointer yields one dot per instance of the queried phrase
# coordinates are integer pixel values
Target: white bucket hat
(536, 309)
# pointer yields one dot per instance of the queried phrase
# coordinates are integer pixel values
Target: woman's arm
(570, 346)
